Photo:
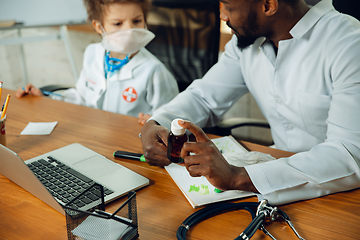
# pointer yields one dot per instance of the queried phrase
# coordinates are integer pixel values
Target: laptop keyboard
(65, 183)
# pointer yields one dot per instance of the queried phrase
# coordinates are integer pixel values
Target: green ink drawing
(225, 147)
(202, 189)
(193, 188)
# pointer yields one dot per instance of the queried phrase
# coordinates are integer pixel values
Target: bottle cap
(176, 129)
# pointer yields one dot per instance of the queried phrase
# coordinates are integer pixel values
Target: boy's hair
(96, 8)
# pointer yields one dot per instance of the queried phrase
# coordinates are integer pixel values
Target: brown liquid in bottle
(175, 144)
(176, 139)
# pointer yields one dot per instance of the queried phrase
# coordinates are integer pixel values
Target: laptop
(59, 176)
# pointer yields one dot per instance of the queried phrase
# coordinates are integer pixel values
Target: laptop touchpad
(96, 166)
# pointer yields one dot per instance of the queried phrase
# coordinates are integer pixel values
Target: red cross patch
(129, 94)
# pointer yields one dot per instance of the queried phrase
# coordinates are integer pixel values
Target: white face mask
(126, 41)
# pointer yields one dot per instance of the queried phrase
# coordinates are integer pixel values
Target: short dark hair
(292, 3)
(96, 8)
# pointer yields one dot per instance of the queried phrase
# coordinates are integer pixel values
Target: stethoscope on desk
(260, 212)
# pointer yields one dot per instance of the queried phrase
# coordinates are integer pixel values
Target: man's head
(251, 19)
(113, 15)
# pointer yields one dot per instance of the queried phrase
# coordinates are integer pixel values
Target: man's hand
(154, 140)
(209, 162)
(28, 89)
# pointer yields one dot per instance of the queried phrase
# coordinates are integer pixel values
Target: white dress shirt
(309, 91)
(141, 85)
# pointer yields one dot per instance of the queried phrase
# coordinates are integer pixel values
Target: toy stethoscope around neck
(114, 64)
(260, 212)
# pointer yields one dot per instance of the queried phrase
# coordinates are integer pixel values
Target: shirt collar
(127, 70)
(311, 18)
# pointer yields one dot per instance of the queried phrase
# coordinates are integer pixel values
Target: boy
(119, 75)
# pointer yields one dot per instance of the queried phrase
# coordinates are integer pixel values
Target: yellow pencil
(5, 106)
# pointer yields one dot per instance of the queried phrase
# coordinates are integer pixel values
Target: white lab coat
(309, 93)
(141, 85)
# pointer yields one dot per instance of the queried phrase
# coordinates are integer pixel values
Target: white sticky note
(39, 128)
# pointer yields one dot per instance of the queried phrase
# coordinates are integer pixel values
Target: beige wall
(47, 61)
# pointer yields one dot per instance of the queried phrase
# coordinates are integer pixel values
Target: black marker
(129, 155)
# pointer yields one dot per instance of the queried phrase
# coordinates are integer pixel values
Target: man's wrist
(242, 181)
(152, 121)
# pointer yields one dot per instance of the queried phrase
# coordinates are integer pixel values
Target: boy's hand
(28, 89)
(143, 118)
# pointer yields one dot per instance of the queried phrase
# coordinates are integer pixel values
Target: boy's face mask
(126, 41)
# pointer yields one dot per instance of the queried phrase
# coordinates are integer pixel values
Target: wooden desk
(161, 206)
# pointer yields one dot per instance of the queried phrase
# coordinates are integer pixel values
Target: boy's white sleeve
(71, 95)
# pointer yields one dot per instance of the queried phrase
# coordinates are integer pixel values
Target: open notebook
(197, 190)
(59, 176)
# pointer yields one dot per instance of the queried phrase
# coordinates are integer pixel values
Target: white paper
(228, 145)
(96, 228)
(198, 190)
(39, 128)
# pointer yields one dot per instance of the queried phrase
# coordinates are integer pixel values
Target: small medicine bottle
(176, 140)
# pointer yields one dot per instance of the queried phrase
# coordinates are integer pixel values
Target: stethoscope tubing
(211, 211)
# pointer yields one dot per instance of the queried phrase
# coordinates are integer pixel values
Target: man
(302, 65)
